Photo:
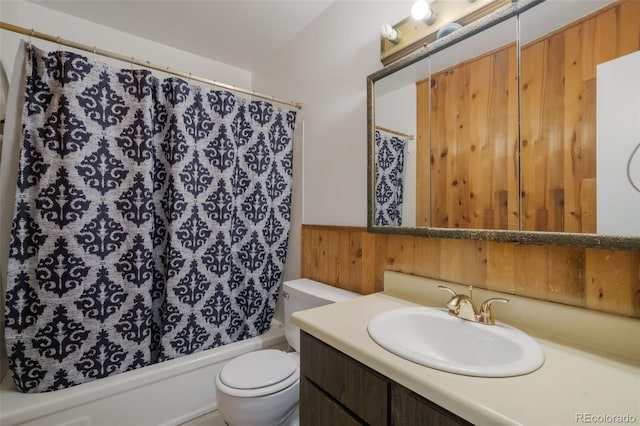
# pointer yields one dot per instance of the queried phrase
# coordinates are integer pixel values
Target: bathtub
(168, 393)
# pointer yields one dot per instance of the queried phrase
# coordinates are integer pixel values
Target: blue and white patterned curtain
(390, 152)
(151, 220)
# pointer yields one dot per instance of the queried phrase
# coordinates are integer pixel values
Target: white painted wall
(325, 67)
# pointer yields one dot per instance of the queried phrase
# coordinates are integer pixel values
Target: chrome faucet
(461, 306)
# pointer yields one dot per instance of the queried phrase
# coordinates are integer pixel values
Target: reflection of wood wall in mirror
(558, 107)
(423, 156)
(473, 128)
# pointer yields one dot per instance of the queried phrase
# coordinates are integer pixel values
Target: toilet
(263, 387)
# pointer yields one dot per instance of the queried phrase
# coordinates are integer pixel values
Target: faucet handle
(454, 303)
(485, 310)
(445, 288)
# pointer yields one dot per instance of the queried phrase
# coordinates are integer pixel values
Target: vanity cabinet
(338, 390)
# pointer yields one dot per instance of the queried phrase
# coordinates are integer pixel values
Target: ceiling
(235, 32)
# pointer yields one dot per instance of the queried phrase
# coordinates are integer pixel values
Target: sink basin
(433, 338)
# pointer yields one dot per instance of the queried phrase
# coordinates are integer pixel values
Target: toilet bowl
(259, 388)
(263, 387)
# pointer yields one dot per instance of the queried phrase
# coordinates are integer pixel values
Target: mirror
(490, 153)
(576, 80)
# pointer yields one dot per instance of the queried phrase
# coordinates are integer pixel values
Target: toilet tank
(304, 294)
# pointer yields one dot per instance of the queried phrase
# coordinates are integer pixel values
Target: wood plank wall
(423, 155)
(353, 259)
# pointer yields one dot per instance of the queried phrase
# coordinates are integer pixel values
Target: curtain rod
(394, 132)
(132, 60)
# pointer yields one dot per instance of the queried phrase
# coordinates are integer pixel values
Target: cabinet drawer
(360, 389)
(316, 409)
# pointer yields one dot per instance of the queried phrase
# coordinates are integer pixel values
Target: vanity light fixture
(427, 18)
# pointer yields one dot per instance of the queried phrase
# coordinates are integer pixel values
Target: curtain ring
(59, 45)
(30, 35)
(95, 54)
(132, 59)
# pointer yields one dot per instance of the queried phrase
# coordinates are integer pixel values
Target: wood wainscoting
(354, 259)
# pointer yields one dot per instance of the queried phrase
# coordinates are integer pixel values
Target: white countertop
(574, 383)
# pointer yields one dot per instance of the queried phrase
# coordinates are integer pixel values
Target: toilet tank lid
(305, 287)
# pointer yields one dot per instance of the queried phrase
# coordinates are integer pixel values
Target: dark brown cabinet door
(317, 409)
(359, 389)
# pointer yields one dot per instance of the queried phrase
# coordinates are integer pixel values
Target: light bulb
(420, 10)
(390, 33)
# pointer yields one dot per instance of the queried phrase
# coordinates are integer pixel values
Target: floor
(210, 419)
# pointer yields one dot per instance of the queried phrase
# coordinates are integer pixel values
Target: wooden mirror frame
(613, 242)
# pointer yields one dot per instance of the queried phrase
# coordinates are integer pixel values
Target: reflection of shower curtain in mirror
(390, 156)
(151, 220)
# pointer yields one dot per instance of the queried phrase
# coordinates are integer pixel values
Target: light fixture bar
(414, 34)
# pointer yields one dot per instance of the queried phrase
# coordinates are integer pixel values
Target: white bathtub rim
(17, 407)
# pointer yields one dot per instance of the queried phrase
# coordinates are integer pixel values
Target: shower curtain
(390, 152)
(151, 220)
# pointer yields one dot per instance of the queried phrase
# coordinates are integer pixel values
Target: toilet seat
(258, 373)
